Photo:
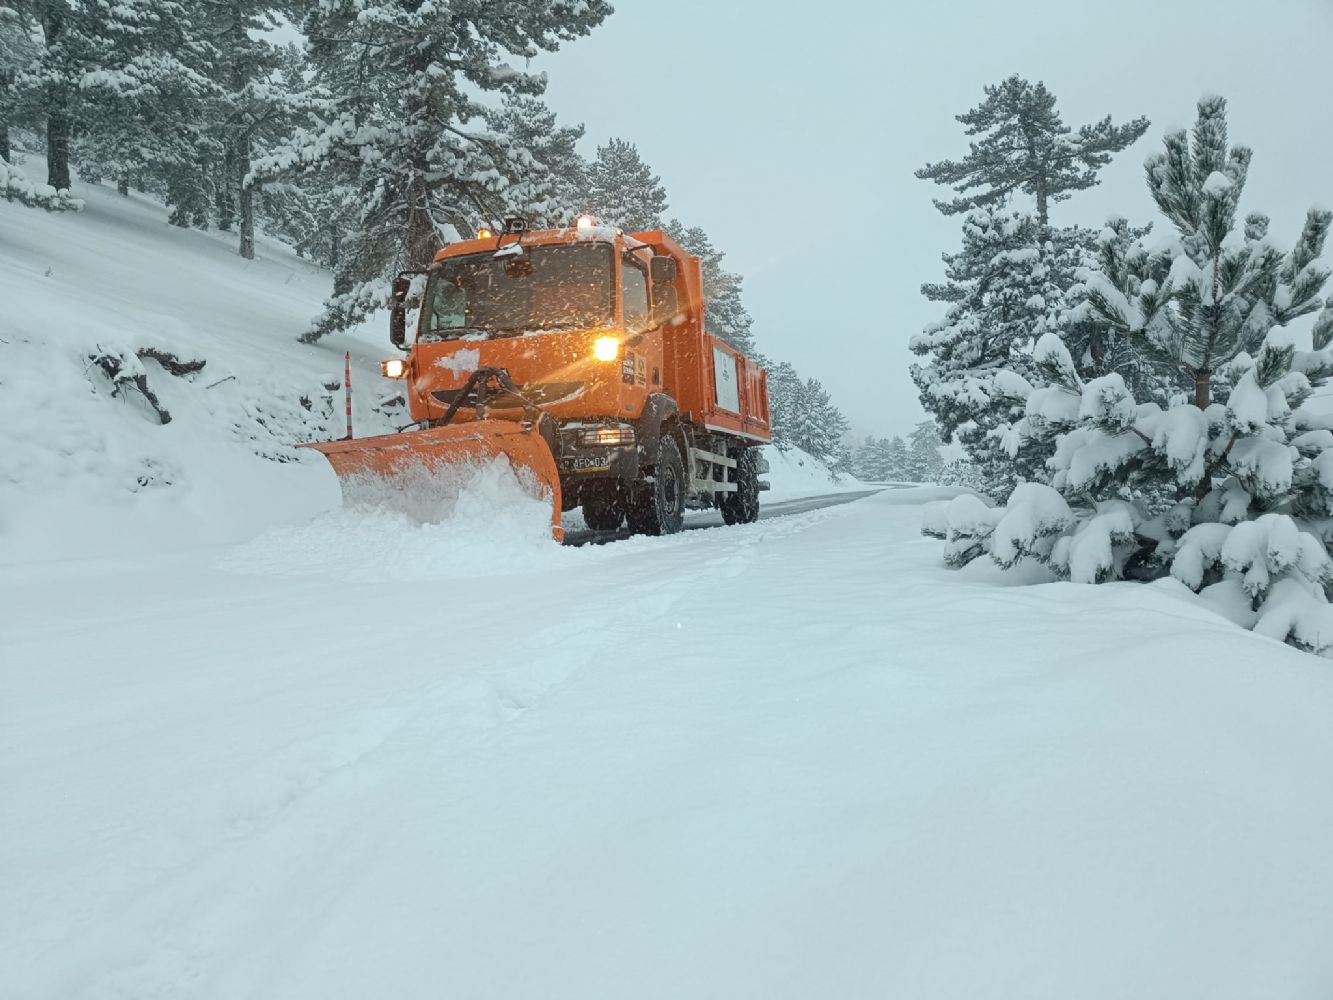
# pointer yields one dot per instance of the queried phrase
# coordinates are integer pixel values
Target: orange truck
(581, 356)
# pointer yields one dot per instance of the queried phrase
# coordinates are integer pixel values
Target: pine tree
(897, 460)
(924, 464)
(623, 191)
(403, 80)
(817, 425)
(727, 316)
(784, 391)
(551, 189)
(1025, 146)
(18, 51)
(994, 286)
(867, 459)
(1228, 488)
(1010, 283)
(44, 92)
(146, 101)
(258, 100)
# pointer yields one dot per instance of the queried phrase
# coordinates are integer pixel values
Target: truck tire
(742, 506)
(603, 510)
(658, 507)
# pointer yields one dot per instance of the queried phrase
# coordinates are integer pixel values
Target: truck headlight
(606, 348)
(604, 437)
(394, 368)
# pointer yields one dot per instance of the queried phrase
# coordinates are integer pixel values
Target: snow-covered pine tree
(896, 459)
(727, 316)
(879, 460)
(316, 212)
(20, 53)
(549, 193)
(1228, 488)
(924, 464)
(994, 288)
(146, 101)
(623, 191)
(404, 80)
(45, 91)
(1025, 146)
(18, 50)
(868, 459)
(1007, 286)
(259, 99)
(817, 425)
(784, 391)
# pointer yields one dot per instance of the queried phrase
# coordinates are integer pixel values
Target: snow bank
(797, 759)
(151, 386)
(475, 519)
(794, 473)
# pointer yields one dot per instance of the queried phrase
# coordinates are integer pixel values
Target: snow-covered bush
(16, 186)
(1227, 487)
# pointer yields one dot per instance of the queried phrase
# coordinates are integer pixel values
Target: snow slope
(83, 471)
(793, 759)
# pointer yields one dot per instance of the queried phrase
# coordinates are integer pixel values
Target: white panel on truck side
(725, 381)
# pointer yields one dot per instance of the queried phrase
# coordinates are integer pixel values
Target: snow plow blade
(400, 460)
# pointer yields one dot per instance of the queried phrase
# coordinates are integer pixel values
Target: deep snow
(794, 759)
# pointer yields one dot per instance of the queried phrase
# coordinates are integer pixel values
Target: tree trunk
(247, 221)
(224, 196)
(57, 109)
(57, 141)
(421, 244)
(1203, 390)
(6, 82)
(123, 184)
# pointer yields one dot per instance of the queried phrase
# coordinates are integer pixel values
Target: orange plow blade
(405, 460)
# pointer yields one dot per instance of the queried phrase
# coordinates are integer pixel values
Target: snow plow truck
(581, 356)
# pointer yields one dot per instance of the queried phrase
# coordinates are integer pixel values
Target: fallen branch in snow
(170, 362)
(120, 371)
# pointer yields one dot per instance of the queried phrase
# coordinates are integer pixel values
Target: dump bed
(715, 385)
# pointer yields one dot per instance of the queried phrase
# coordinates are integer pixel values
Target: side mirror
(662, 269)
(402, 285)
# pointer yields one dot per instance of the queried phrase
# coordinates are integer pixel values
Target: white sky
(790, 133)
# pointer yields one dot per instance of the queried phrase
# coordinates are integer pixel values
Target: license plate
(584, 462)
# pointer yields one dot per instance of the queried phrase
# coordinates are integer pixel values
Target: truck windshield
(540, 288)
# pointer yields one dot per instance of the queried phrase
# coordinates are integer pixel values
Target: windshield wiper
(454, 332)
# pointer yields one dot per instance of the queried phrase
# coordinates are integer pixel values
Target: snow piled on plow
(453, 522)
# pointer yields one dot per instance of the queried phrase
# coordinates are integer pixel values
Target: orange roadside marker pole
(347, 383)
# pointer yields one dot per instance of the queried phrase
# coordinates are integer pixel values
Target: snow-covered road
(793, 759)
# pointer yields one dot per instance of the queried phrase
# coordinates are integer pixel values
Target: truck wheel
(742, 506)
(658, 507)
(603, 510)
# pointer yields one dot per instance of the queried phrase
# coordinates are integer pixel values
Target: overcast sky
(790, 133)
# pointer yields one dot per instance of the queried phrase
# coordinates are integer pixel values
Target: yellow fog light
(394, 368)
(606, 348)
(585, 222)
